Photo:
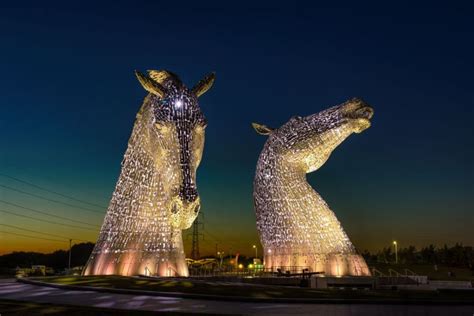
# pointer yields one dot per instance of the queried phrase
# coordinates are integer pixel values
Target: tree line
(454, 256)
(58, 260)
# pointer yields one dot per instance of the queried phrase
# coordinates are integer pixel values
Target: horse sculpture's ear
(150, 85)
(262, 129)
(161, 76)
(205, 84)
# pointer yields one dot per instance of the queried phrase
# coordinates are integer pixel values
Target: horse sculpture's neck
(137, 236)
(297, 228)
(303, 215)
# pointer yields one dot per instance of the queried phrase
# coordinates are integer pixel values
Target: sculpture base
(130, 265)
(338, 264)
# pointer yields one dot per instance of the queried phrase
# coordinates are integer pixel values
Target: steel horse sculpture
(297, 229)
(155, 197)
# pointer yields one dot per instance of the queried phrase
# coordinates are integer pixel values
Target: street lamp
(220, 254)
(256, 251)
(396, 251)
(70, 248)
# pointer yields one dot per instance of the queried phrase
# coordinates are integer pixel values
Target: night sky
(69, 98)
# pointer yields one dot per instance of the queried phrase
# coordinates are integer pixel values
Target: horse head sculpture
(296, 227)
(156, 195)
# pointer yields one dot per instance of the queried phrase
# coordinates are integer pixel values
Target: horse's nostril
(365, 112)
(174, 208)
(368, 113)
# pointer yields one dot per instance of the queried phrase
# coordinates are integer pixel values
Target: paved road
(10, 289)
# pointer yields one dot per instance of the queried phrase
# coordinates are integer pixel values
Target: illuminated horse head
(176, 139)
(296, 227)
(156, 195)
(307, 142)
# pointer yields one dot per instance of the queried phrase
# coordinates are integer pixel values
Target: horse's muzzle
(188, 193)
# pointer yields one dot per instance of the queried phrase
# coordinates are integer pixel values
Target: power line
(51, 191)
(208, 242)
(212, 236)
(46, 221)
(220, 240)
(37, 232)
(34, 237)
(50, 200)
(46, 213)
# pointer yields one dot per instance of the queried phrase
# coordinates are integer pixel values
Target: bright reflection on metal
(156, 195)
(178, 103)
(297, 229)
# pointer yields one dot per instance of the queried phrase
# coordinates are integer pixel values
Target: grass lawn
(255, 291)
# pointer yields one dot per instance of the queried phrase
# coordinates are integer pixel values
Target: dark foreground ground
(27, 299)
(11, 307)
(261, 292)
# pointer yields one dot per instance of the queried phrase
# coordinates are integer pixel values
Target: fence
(214, 270)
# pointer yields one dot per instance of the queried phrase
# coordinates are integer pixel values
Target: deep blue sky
(69, 97)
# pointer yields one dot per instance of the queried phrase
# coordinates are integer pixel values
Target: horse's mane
(137, 180)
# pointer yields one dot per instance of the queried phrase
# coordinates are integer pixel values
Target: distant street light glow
(396, 251)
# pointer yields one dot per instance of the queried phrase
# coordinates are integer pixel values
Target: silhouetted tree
(57, 260)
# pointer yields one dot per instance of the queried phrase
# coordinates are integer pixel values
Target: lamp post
(70, 248)
(256, 251)
(396, 251)
(221, 255)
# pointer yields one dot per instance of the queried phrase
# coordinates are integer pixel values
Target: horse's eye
(203, 123)
(161, 126)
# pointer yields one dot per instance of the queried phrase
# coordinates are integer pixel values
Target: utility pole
(195, 255)
(70, 247)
